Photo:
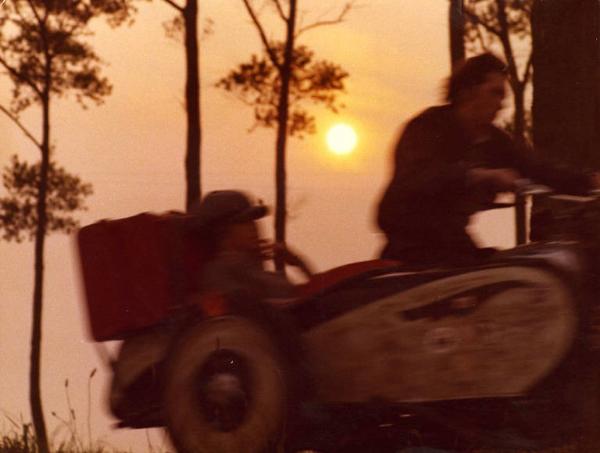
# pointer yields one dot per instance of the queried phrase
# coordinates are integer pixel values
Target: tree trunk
(519, 114)
(282, 131)
(192, 97)
(456, 24)
(566, 96)
(566, 88)
(519, 136)
(35, 398)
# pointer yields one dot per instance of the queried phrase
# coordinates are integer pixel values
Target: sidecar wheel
(225, 389)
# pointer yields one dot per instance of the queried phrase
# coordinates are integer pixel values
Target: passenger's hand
(278, 250)
(498, 179)
(266, 250)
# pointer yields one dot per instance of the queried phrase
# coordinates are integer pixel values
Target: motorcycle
(375, 356)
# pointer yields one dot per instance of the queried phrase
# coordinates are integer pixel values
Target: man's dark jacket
(428, 201)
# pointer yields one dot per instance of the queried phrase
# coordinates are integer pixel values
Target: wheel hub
(223, 392)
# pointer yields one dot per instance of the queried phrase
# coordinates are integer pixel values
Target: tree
(566, 93)
(284, 77)
(187, 22)
(491, 23)
(44, 53)
(456, 25)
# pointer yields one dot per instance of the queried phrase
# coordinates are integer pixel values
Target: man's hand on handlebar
(497, 179)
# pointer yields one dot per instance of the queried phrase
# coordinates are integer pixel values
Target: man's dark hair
(472, 72)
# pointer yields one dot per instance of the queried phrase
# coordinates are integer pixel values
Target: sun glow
(341, 139)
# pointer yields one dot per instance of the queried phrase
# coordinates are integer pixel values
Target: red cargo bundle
(136, 271)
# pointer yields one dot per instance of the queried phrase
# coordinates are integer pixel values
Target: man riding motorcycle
(450, 162)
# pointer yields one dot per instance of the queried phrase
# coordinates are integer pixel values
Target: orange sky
(131, 150)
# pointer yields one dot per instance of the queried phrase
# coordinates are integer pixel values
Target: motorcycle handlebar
(525, 187)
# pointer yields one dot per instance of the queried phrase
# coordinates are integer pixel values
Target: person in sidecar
(450, 162)
(236, 251)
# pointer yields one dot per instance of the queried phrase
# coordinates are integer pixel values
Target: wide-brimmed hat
(224, 207)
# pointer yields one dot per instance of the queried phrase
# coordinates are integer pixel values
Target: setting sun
(341, 139)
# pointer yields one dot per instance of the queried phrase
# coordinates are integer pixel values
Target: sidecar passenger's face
(243, 237)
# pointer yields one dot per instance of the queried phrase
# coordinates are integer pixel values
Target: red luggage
(136, 271)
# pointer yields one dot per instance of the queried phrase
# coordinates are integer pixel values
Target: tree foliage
(484, 27)
(43, 43)
(258, 84)
(18, 215)
(174, 29)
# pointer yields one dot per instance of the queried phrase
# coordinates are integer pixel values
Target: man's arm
(535, 166)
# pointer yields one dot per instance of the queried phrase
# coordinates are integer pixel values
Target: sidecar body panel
(136, 271)
(492, 332)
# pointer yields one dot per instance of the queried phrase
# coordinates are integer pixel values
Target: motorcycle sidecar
(488, 355)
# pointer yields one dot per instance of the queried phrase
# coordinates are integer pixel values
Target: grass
(20, 438)
(67, 437)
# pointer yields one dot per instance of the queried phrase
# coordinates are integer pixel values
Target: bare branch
(279, 9)
(35, 13)
(20, 125)
(482, 42)
(477, 21)
(175, 5)
(263, 35)
(340, 18)
(21, 77)
(505, 41)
